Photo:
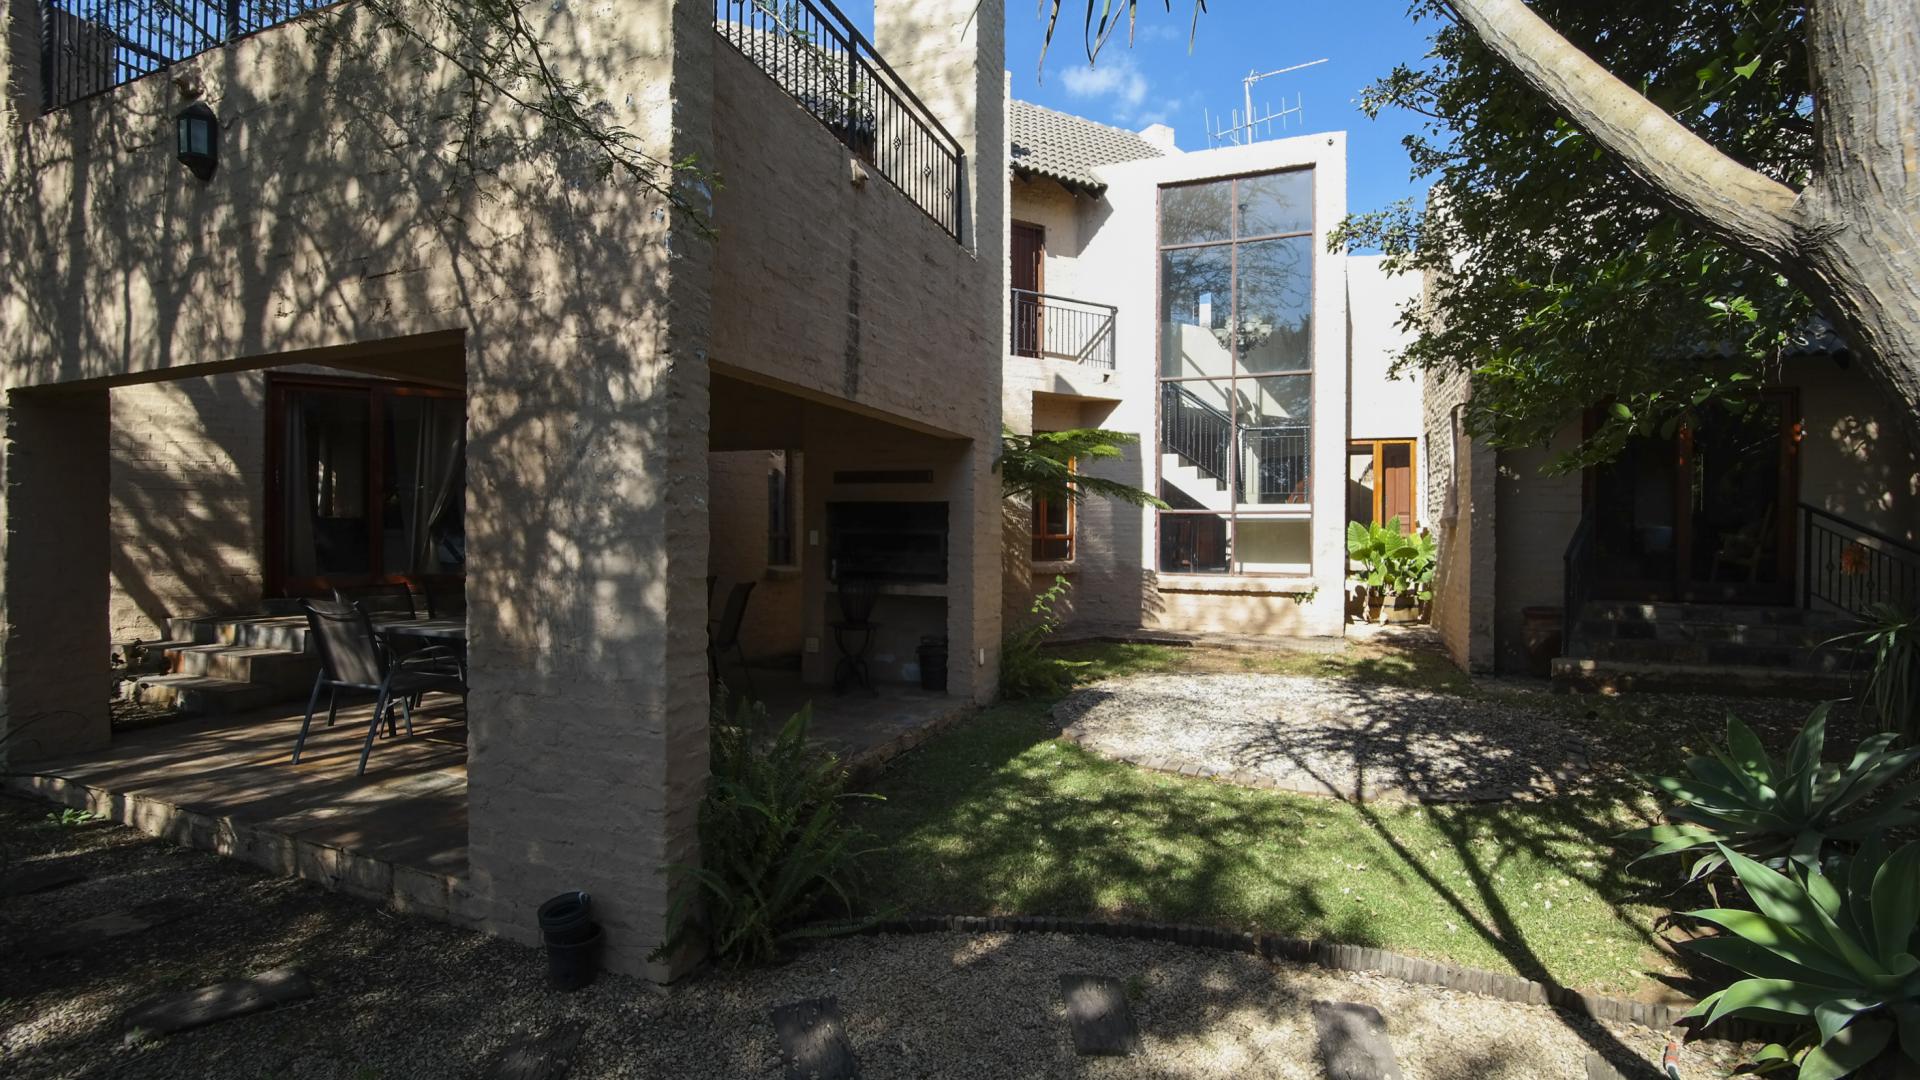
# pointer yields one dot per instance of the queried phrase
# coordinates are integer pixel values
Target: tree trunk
(1851, 239)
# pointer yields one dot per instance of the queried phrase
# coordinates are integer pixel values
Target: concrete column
(53, 679)
(588, 535)
(952, 53)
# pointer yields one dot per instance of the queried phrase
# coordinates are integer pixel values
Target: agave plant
(1781, 812)
(1835, 954)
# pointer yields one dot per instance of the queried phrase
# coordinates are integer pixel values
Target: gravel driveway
(1327, 736)
(400, 998)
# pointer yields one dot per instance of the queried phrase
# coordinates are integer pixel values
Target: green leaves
(775, 851)
(1794, 811)
(1831, 953)
(1048, 465)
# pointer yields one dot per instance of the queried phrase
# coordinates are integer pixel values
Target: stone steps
(219, 664)
(1722, 635)
(1591, 675)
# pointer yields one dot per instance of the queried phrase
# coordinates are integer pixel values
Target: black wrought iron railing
(1062, 328)
(88, 47)
(1853, 568)
(1277, 457)
(1576, 582)
(814, 53)
(1196, 431)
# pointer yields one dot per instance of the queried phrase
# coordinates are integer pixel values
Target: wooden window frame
(1041, 505)
(277, 581)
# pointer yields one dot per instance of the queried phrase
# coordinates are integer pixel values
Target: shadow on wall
(187, 489)
(353, 205)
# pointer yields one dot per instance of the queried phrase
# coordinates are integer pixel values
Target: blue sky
(1159, 81)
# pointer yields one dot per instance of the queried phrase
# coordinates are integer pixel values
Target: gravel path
(399, 998)
(1327, 736)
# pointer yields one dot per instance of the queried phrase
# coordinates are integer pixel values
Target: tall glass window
(1236, 374)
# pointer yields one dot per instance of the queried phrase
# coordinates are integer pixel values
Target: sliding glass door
(366, 484)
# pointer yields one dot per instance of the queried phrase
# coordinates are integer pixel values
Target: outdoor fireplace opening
(902, 542)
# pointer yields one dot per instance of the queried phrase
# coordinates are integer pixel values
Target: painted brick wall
(188, 484)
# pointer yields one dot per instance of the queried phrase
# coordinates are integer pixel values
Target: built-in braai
(887, 541)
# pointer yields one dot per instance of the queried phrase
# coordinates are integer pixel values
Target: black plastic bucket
(567, 919)
(572, 966)
(933, 663)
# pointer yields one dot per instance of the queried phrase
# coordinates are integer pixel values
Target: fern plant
(779, 861)
(1027, 670)
(1045, 465)
(1836, 954)
(1792, 811)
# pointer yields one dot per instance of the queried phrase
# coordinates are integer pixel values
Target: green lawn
(997, 817)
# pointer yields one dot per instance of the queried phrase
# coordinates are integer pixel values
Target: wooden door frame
(1786, 516)
(1039, 284)
(1378, 449)
(377, 391)
(1681, 587)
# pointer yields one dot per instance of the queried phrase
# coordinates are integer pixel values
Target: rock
(547, 1056)
(1098, 1015)
(813, 1040)
(1353, 1042)
(221, 1001)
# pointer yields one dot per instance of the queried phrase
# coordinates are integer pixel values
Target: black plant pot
(567, 919)
(573, 966)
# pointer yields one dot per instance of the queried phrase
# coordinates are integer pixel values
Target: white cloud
(1116, 80)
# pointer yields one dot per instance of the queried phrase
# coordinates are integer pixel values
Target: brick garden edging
(1325, 954)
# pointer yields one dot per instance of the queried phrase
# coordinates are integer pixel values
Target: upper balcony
(88, 47)
(827, 66)
(1062, 328)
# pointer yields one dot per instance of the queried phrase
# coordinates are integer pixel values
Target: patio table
(451, 633)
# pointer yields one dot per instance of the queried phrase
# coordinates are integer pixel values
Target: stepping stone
(1098, 1016)
(1353, 1042)
(539, 1057)
(39, 878)
(106, 927)
(813, 1040)
(221, 1001)
(1598, 1068)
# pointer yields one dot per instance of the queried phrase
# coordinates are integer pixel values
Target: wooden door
(1029, 256)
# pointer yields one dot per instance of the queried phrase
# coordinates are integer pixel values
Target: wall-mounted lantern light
(199, 138)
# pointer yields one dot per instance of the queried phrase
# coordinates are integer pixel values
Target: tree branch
(1748, 210)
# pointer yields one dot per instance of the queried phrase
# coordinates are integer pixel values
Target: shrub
(1027, 670)
(1893, 636)
(1836, 955)
(776, 853)
(1740, 799)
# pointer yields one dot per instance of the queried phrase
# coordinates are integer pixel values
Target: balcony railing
(88, 47)
(1061, 328)
(814, 53)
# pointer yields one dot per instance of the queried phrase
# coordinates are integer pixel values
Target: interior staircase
(1202, 487)
(218, 664)
(1708, 648)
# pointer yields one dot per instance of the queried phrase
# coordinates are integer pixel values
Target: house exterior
(346, 357)
(1191, 299)
(1733, 547)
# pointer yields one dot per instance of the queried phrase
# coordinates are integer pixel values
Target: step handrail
(1851, 575)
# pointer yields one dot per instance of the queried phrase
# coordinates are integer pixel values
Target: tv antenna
(1245, 126)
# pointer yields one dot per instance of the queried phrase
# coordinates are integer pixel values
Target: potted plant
(1417, 560)
(1379, 551)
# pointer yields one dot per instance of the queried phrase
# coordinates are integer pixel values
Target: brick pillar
(952, 53)
(53, 679)
(587, 549)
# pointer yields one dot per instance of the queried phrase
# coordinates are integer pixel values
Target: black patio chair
(725, 634)
(853, 633)
(353, 658)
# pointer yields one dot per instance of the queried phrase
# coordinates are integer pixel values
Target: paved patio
(398, 835)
